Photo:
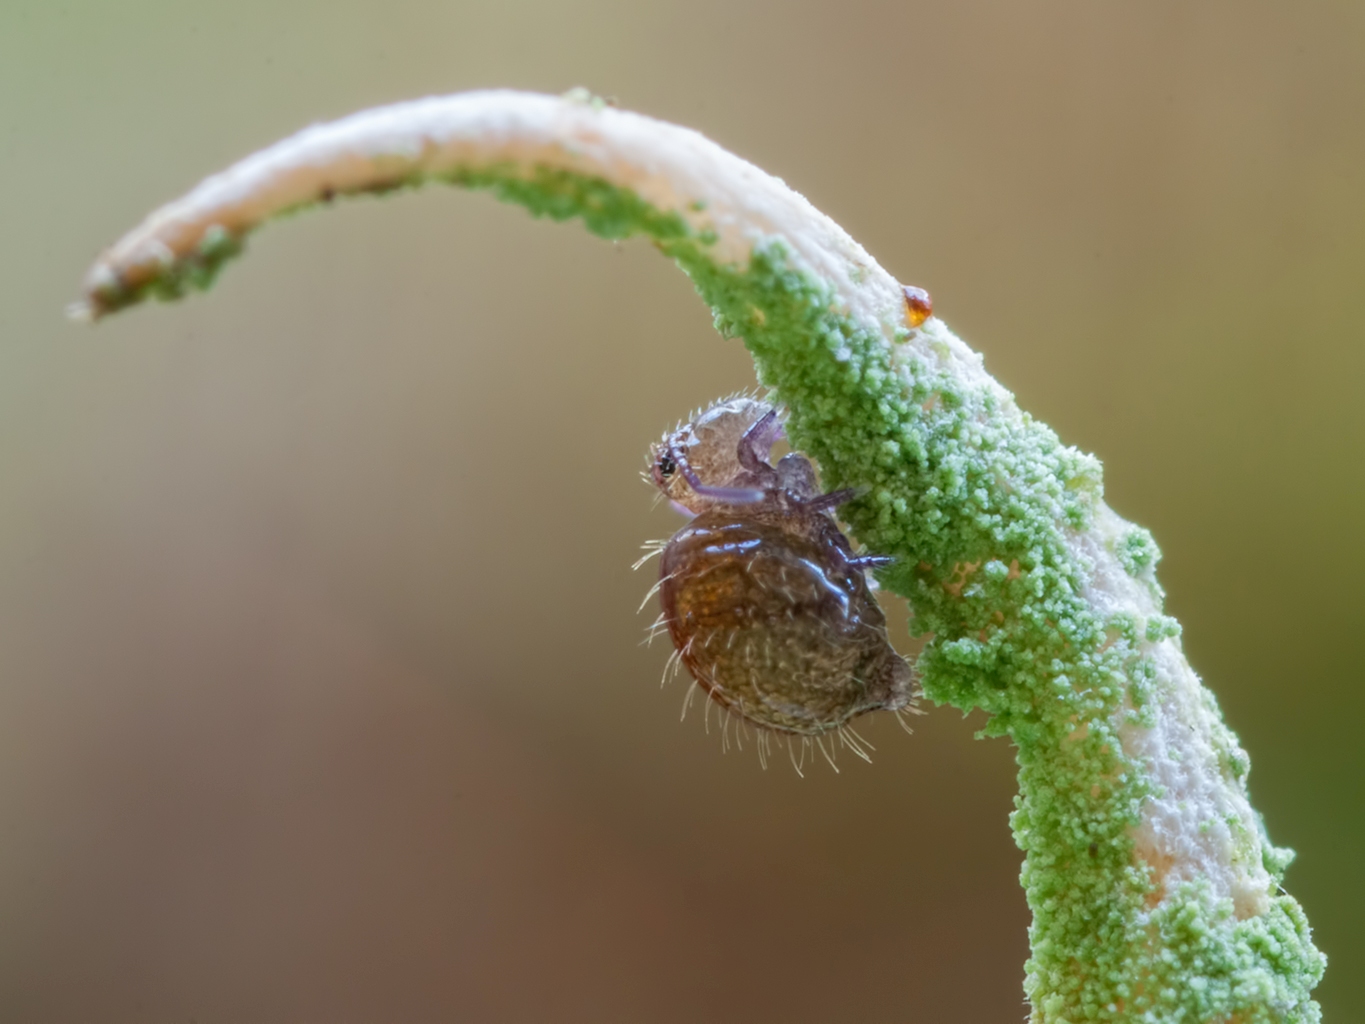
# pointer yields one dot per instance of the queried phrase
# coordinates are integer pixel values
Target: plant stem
(1155, 890)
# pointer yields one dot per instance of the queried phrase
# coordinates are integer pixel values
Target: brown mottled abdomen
(774, 624)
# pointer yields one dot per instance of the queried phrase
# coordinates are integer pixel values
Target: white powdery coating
(1185, 833)
(1199, 824)
(675, 169)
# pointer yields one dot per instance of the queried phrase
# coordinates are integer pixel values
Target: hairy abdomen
(773, 623)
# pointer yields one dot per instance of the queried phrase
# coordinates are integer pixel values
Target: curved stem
(1154, 888)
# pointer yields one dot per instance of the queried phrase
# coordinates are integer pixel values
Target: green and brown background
(320, 693)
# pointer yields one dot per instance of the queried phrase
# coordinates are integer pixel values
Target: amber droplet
(919, 305)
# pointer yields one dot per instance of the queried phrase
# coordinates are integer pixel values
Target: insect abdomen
(776, 625)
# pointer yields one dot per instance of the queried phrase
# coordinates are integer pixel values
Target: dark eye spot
(666, 466)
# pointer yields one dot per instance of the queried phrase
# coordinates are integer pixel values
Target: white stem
(675, 169)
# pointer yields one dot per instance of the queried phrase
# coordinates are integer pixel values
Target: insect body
(767, 604)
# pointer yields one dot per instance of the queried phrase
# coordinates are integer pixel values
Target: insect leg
(758, 441)
(872, 561)
(831, 500)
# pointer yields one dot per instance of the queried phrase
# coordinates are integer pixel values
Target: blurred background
(321, 693)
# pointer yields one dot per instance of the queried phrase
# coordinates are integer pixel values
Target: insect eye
(666, 466)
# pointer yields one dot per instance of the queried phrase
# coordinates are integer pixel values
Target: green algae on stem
(1154, 888)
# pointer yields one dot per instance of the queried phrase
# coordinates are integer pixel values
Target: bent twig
(1154, 888)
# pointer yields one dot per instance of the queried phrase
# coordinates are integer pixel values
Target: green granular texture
(1137, 551)
(962, 494)
(973, 500)
(195, 272)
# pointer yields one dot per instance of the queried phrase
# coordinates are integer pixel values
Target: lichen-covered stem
(1155, 890)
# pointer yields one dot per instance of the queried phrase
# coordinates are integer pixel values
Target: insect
(767, 604)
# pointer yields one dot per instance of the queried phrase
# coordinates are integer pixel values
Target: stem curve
(1154, 887)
